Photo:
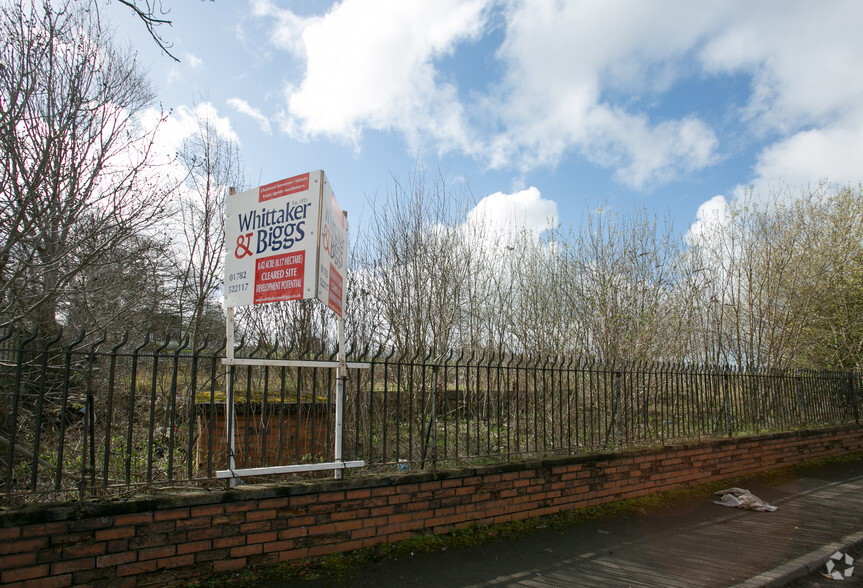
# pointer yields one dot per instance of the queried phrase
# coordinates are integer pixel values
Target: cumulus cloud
(501, 223)
(365, 72)
(181, 124)
(370, 65)
(582, 79)
(184, 123)
(646, 154)
(806, 96)
(803, 61)
(828, 154)
(524, 210)
(564, 64)
(711, 215)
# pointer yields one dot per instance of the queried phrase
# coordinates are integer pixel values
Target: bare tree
(299, 326)
(211, 159)
(830, 289)
(74, 185)
(525, 304)
(482, 323)
(126, 290)
(619, 285)
(753, 305)
(416, 264)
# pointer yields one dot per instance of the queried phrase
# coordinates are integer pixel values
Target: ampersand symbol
(242, 249)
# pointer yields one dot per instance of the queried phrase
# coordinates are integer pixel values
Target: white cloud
(287, 31)
(563, 60)
(557, 58)
(500, 226)
(186, 118)
(711, 215)
(644, 153)
(244, 107)
(194, 61)
(806, 92)
(179, 125)
(832, 154)
(501, 213)
(582, 78)
(566, 63)
(370, 64)
(804, 60)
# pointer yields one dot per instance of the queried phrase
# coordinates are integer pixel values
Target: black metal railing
(81, 418)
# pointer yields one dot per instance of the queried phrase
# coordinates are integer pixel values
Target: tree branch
(151, 21)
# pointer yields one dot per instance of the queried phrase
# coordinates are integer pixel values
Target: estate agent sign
(286, 241)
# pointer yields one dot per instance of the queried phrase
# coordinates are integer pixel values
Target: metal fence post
(852, 385)
(89, 428)
(726, 399)
(433, 418)
(109, 418)
(40, 409)
(13, 423)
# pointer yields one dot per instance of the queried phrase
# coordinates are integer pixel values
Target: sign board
(332, 252)
(286, 241)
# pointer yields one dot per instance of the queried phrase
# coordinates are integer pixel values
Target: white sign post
(286, 241)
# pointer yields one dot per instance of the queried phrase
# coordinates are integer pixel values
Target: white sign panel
(286, 241)
(271, 238)
(333, 252)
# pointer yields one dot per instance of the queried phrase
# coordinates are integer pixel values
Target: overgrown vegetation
(101, 240)
(769, 281)
(489, 340)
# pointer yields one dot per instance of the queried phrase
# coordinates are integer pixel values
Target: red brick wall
(170, 539)
(284, 435)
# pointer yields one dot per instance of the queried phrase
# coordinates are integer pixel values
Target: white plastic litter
(740, 498)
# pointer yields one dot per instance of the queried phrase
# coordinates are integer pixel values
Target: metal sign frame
(327, 286)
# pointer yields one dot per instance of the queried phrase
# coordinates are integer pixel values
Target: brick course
(158, 541)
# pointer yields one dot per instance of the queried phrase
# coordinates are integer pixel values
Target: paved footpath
(692, 543)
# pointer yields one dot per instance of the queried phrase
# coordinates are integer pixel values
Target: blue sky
(556, 107)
